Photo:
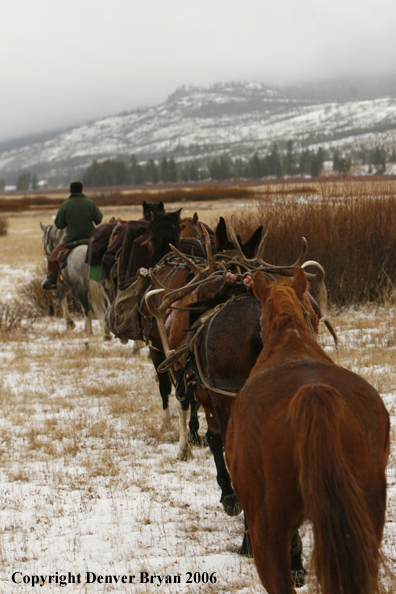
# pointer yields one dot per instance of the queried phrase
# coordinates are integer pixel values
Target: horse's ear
(161, 206)
(221, 238)
(260, 287)
(251, 246)
(42, 226)
(178, 213)
(300, 283)
(144, 205)
(195, 218)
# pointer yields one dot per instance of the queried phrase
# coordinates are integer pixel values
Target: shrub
(3, 225)
(354, 239)
(12, 316)
(40, 303)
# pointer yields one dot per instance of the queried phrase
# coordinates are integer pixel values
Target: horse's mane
(288, 310)
(164, 230)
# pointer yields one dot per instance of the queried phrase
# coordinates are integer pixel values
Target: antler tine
(303, 253)
(155, 280)
(211, 267)
(322, 298)
(235, 239)
(263, 241)
(196, 269)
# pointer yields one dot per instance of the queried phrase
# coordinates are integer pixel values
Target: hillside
(239, 119)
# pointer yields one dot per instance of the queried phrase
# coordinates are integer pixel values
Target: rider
(78, 215)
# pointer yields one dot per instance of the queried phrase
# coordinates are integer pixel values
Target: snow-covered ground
(90, 486)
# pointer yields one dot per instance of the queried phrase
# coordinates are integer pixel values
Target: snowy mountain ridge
(238, 119)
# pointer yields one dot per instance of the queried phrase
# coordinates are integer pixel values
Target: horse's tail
(346, 545)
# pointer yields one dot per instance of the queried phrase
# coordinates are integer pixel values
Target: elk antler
(303, 253)
(322, 298)
(211, 266)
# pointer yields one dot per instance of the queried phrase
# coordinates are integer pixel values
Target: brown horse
(308, 440)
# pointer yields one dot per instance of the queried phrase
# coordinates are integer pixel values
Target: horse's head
(51, 237)
(285, 305)
(164, 230)
(148, 208)
(190, 227)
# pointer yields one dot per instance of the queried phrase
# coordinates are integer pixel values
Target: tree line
(276, 163)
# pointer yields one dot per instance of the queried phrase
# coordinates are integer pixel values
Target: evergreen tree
(173, 172)
(164, 170)
(276, 161)
(151, 172)
(290, 161)
(255, 167)
(133, 168)
(317, 163)
(34, 182)
(194, 172)
(379, 159)
(23, 182)
(139, 175)
(336, 160)
(305, 161)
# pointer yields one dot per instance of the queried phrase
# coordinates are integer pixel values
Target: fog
(66, 62)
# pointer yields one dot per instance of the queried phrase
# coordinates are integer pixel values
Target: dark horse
(308, 440)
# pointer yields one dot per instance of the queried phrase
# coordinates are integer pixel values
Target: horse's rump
(334, 458)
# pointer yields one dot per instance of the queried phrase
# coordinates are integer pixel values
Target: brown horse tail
(346, 546)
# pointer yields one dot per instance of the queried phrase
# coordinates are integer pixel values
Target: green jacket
(77, 215)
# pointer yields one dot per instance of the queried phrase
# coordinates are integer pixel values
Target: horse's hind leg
(271, 548)
(70, 325)
(83, 299)
(230, 502)
(165, 387)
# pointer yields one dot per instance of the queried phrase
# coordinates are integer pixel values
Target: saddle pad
(95, 272)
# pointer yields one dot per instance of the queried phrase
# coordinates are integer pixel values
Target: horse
(308, 440)
(74, 277)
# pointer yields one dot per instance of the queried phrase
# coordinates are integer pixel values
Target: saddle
(67, 248)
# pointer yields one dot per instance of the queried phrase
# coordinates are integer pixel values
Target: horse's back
(260, 423)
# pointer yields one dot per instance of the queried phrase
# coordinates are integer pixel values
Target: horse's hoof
(107, 337)
(195, 439)
(298, 577)
(231, 505)
(245, 550)
(185, 454)
(70, 325)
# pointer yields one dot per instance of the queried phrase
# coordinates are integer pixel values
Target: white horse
(74, 276)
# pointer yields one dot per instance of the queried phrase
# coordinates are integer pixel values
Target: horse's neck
(288, 342)
(54, 236)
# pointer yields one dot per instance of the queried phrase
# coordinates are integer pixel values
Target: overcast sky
(63, 62)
